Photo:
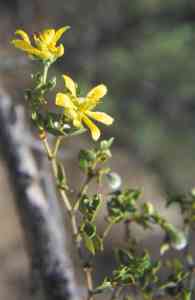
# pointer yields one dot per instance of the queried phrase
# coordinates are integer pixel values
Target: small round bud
(177, 238)
(52, 83)
(114, 180)
(56, 124)
(66, 126)
(179, 242)
(193, 192)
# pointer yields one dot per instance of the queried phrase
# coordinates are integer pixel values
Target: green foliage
(92, 241)
(186, 294)
(122, 204)
(89, 206)
(176, 237)
(86, 159)
(134, 269)
(175, 282)
(131, 271)
(89, 159)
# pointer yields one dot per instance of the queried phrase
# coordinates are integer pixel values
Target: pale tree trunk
(44, 231)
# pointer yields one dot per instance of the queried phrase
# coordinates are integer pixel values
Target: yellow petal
(60, 51)
(59, 33)
(38, 42)
(47, 36)
(24, 35)
(101, 117)
(97, 92)
(64, 101)
(23, 45)
(95, 132)
(69, 83)
(94, 97)
(77, 123)
(55, 51)
(45, 54)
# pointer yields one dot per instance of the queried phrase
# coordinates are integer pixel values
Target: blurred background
(144, 51)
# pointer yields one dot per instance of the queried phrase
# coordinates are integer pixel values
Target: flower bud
(52, 83)
(114, 180)
(176, 237)
(193, 192)
(148, 208)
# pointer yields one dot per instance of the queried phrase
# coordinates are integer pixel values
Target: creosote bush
(136, 272)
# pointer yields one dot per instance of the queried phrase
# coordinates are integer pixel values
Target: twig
(116, 293)
(88, 274)
(107, 229)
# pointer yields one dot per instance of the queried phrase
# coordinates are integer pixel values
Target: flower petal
(59, 33)
(60, 50)
(24, 35)
(64, 101)
(95, 132)
(97, 92)
(101, 117)
(94, 97)
(77, 123)
(24, 45)
(47, 36)
(69, 83)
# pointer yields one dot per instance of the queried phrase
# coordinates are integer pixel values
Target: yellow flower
(44, 47)
(79, 109)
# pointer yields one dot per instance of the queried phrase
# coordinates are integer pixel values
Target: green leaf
(98, 243)
(92, 240)
(122, 204)
(89, 206)
(90, 230)
(61, 177)
(106, 284)
(51, 84)
(55, 125)
(132, 269)
(38, 120)
(86, 158)
(186, 294)
(123, 256)
(89, 243)
(106, 144)
(164, 248)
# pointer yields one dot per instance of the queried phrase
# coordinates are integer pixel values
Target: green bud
(148, 208)
(177, 238)
(193, 192)
(106, 144)
(164, 248)
(51, 83)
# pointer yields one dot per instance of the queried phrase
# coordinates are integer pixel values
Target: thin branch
(89, 281)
